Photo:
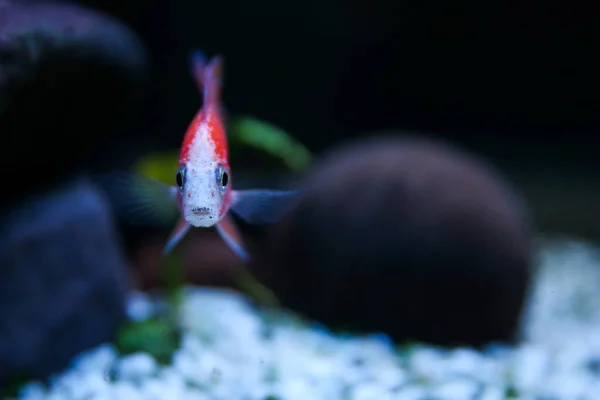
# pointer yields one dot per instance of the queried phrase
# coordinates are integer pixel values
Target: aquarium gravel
(230, 351)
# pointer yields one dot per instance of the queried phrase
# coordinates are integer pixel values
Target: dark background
(518, 76)
(515, 82)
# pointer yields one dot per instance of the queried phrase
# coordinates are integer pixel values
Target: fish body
(203, 195)
(203, 177)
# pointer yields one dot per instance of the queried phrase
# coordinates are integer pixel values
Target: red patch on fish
(208, 118)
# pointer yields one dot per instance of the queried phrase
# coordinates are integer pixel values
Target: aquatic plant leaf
(157, 337)
(161, 166)
(272, 140)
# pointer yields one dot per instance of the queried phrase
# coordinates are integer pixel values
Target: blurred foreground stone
(71, 93)
(407, 236)
(63, 281)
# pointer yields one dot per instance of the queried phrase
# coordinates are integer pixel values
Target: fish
(202, 194)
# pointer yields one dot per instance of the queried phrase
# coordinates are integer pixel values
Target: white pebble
(89, 385)
(370, 392)
(123, 390)
(493, 393)
(194, 394)
(139, 307)
(428, 364)
(136, 366)
(155, 389)
(457, 390)
(531, 365)
(99, 359)
(297, 389)
(568, 387)
(412, 392)
(466, 362)
(96, 396)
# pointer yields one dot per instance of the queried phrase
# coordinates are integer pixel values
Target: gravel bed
(232, 351)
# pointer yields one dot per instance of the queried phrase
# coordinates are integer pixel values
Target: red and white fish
(203, 195)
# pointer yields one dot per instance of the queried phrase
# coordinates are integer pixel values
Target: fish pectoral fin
(178, 233)
(232, 237)
(263, 206)
(138, 199)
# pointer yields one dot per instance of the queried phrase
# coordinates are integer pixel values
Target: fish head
(204, 190)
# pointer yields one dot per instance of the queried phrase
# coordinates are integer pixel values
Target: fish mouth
(200, 211)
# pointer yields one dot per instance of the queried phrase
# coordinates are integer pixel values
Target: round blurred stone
(63, 281)
(71, 86)
(404, 235)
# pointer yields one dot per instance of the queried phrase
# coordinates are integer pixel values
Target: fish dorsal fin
(208, 76)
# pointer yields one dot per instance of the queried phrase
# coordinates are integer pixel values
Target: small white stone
(371, 392)
(466, 362)
(193, 394)
(99, 359)
(428, 364)
(457, 390)
(96, 396)
(89, 385)
(186, 365)
(125, 391)
(139, 307)
(572, 386)
(296, 389)
(169, 377)
(155, 389)
(411, 392)
(492, 393)
(530, 368)
(136, 366)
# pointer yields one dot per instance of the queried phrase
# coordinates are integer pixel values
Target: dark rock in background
(63, 281)
(407, 236)
(71, 94)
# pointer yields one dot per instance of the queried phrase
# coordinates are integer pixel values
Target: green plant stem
(174, 279)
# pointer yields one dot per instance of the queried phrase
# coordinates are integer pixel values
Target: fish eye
(180, 177)
(222, 177)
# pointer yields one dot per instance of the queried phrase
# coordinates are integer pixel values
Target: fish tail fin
(208, 75)
(197, 64)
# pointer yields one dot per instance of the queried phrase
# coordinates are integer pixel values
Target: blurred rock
(62, 281)
(71, 87)
(403, 235)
